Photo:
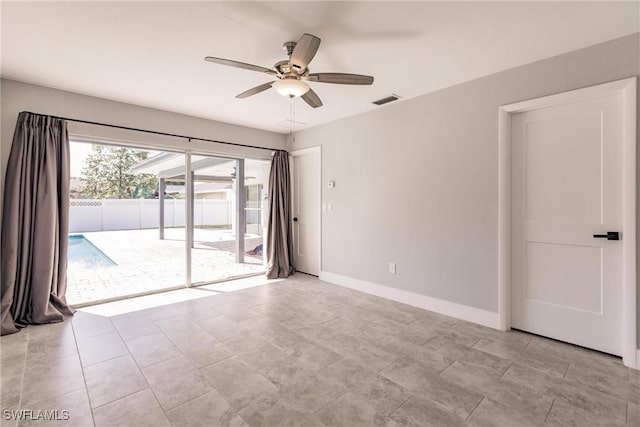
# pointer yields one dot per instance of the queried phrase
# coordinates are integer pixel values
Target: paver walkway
(146, 263)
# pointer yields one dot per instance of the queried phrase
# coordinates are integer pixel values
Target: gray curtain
(279, 238)
(35, 224)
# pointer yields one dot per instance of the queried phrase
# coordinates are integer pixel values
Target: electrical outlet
(392, 268)
(329, 206)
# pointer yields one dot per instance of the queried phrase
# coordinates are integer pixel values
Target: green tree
(107, 174)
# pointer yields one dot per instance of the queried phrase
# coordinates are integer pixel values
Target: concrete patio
(145, 263)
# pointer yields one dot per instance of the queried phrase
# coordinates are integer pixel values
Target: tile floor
(300, 352)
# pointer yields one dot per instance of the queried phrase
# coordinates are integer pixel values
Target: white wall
(16, 97)
(417, 181)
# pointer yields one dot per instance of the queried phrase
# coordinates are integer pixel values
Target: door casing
(627, 88)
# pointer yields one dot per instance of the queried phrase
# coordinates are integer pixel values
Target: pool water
(83, 253)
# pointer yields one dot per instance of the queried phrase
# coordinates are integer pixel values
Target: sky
(78, 154)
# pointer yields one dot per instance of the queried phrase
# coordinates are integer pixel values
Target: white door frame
(292, 156)
(626, 87)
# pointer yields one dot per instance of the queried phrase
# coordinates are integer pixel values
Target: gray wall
(16, 96)
(417, 181)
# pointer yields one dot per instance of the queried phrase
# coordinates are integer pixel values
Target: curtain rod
(190, 138)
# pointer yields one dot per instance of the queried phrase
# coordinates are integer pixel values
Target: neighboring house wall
(16, 96)
(417, 181)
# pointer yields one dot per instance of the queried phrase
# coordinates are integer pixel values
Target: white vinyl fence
(131, 214)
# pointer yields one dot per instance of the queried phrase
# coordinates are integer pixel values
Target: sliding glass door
(115, 213)
(227, 217)
(142, 220)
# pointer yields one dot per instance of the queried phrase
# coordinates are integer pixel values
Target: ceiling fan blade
(304, 51)
(242, 65)
(254, 90)
(340, 78)
(312, 99)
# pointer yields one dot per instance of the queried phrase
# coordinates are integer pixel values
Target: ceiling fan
(291, 75)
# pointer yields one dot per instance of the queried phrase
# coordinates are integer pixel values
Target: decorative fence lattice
(84, 202)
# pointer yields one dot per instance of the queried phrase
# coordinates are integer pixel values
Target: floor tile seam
(122, 398)
(508, 367)
(154, 363)
(401, 404)
(441, 373)
(546, 376)
(549, 411)
(136, 362)
(84, 377)
(143, 336)
(329, 320)
(236, 411)
(590, 388)
(630, 374)
(386, 366)
(209, 364)
(144, 377)
(564, 375)
(139, 336)
(528, 415)
(167, 410)
(103, 360)
(425, 343)
(181, 316)
(77, 338)
(626, 415)
(184, 337)
(447, 409)
(477, 406)
(329, 403)
(528, 342)
(24, 371)
(457, 321)
(62, 395)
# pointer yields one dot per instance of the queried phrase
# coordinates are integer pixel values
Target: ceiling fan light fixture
(290, 87)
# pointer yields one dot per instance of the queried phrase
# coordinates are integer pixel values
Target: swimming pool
(83, 253)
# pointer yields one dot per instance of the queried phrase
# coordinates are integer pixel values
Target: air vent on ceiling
(386, 100)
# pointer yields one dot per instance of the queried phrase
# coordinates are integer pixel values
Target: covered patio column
(161, 188)
(240, 210)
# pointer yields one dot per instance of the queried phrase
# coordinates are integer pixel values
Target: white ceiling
(151, 53)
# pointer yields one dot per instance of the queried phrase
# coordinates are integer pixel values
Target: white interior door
(306, 210)
(567, 183)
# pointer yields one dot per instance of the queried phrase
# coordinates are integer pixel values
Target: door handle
(295, 219)
(611, 235)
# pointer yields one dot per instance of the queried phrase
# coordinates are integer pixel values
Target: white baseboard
(464, 312)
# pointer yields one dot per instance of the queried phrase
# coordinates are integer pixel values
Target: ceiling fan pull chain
(291, 118)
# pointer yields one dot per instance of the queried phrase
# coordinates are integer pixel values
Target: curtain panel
(35, 224)
(279, 234)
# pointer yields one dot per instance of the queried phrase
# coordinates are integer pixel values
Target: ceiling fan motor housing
(283, 67)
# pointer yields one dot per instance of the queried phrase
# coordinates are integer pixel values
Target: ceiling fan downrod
(288, 47)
